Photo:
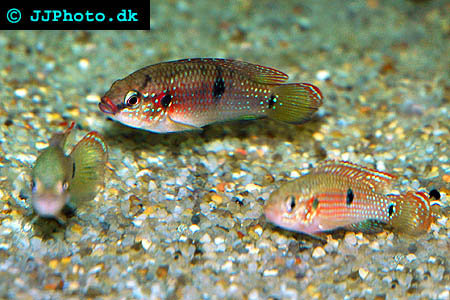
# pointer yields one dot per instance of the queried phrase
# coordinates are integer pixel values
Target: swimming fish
(339, 194)
(60, 181)
(191, 93)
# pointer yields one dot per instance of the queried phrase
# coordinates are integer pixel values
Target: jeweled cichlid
(191, 93)
(60, 180)
(341, 194)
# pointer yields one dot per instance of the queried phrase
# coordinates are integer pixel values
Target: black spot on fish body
(350, 197)
(315, 203)
(147, 80)
(391, 209)
(219, 85)
(73, 169)
(165, 101)
(272, 100)
(435, 194)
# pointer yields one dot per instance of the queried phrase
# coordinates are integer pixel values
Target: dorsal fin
(258, 73)
(380, 181)
(59, 139)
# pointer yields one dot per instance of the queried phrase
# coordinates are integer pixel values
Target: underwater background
(181, 214)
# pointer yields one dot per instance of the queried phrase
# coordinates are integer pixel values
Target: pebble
(323, 75)
(332, 244)
(93, 98)
(251, 187)
(146, 244)
(217, 199)
(318, 252)
(270, 272)
(194, 228)
(21, 93)
(444, 295)
(219, 240)
(83, 64)
(350, 239)
(411, 257)
(258, 230)
(363, 272)
(206, 238)
(227, 266)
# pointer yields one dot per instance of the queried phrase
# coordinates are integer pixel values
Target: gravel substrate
(181, 215)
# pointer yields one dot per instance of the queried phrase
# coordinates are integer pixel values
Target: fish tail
(90, 156)
(411, 213)
(294, 102)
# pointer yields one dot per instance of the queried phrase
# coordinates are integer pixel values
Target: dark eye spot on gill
(350, 197)
(391, 209)
(165, 101)
(272, 101)
(435, 194)
(73, 170)
(219, 85)
(315, 203)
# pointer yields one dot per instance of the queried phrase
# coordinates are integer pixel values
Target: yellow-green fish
(60, 180)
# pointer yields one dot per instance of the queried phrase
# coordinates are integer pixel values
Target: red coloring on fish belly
(339, 194)
(191, 93)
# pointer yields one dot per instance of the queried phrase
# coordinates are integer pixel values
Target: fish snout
(48, 204)
(271, 211)
(107, 106)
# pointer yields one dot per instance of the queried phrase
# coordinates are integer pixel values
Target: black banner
(85, 16)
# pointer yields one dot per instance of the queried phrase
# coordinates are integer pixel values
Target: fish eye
(65, 186)
(132, 99)
(290, 203)
(33, 186)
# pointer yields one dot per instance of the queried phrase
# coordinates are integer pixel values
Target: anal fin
(368, 226)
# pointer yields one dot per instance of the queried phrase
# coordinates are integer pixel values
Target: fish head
(128, 103)
(51, 177)
(290, 208)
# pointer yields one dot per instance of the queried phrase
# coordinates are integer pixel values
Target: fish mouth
(49, 205)
(107, 106)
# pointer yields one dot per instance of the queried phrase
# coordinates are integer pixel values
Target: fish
(340, 194)
(60, 181)
(191, 93)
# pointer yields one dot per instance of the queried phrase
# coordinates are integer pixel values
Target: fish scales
(193, 94)
(189, 94)
(344, 195)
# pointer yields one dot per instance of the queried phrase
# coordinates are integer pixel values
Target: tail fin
(295, 102)
(90, 156)
(411, 213)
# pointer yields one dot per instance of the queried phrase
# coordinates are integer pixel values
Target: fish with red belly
(340, 194)
(191, 93)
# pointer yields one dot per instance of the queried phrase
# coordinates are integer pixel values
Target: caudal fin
(90, 156)
(295, 102)
(411, 213)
